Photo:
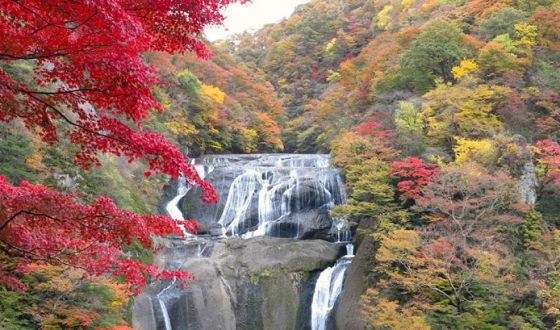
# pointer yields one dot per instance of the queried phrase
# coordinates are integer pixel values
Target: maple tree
(459, 254)
(548, 158)
(88, 72)
(548, 30)
(42, 225)
(87, 82)
(413, 175)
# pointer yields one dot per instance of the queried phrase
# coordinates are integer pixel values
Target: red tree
(548, 157)
(89, 83)
(414, 174)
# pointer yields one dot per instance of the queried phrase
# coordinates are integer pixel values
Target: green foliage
(549, 205)
(408, 119)
(433, 54)
(531, 228)
(548, 74)
(506, 41)
(502, 22)
(189, 84)
(13, 153)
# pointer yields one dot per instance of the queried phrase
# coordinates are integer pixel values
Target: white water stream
(327, 291)
(259, 184)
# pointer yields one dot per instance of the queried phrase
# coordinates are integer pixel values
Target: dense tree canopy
(74, 71)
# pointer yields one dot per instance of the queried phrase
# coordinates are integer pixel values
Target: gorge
(262, 254)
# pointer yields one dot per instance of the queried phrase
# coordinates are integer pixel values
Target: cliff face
(273, 195)
(258, 283)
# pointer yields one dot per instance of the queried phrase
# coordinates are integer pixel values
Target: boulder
(258, 283)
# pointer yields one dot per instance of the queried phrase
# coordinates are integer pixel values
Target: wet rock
(276, 195)
(257, 283)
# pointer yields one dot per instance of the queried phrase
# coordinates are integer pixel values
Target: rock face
(257, 283)
(348, 312)
(528, 184)
(274, 195)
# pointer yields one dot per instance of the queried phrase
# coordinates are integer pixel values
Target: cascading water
(270, 195)
(260, 195)
(175, 213)
(182, 189)
(329, 283)
(528, 184)
(327, 291)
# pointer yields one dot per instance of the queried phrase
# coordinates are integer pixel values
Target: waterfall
(350, 250)
(327, 291)
(287, 196)
(329, 283)
(172, 207)
(165, 315)
(341, 229)
(269, 193)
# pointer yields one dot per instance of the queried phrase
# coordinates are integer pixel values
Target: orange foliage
(547, 22)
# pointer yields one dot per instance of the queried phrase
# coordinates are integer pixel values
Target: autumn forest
(443, 117)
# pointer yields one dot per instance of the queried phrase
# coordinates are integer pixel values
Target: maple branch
(37, 256)
(10, 219)
(39, 29)
(37, 14)
(66, 119)
(56, 52)
(50, 217)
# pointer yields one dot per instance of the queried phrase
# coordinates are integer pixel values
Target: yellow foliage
(465, 68)
(35, 160)
(408, 119)
(330, 45)
(181, 128)
(383, 16)
(429, 6)
(465, 148)
(212, 94)
(406, 4)
(215, 145)
(382, 313)
(399, 244)
(162, 97)
(525, 36)
(461, 111)
(438, 159)
(283, 83)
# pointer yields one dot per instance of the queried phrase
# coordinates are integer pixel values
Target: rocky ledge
(258, 283)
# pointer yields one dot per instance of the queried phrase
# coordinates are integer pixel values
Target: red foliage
(371, 128)
(42, 225)
(91, 84)
(548, 153)
(415, 174)
(89, 70)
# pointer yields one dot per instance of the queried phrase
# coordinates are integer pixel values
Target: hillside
(442, 115)
(436, 112)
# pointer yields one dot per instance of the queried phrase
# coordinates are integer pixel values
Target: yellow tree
(382, 314)
(460, 111)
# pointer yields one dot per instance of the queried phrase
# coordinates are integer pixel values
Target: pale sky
(253, 16)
